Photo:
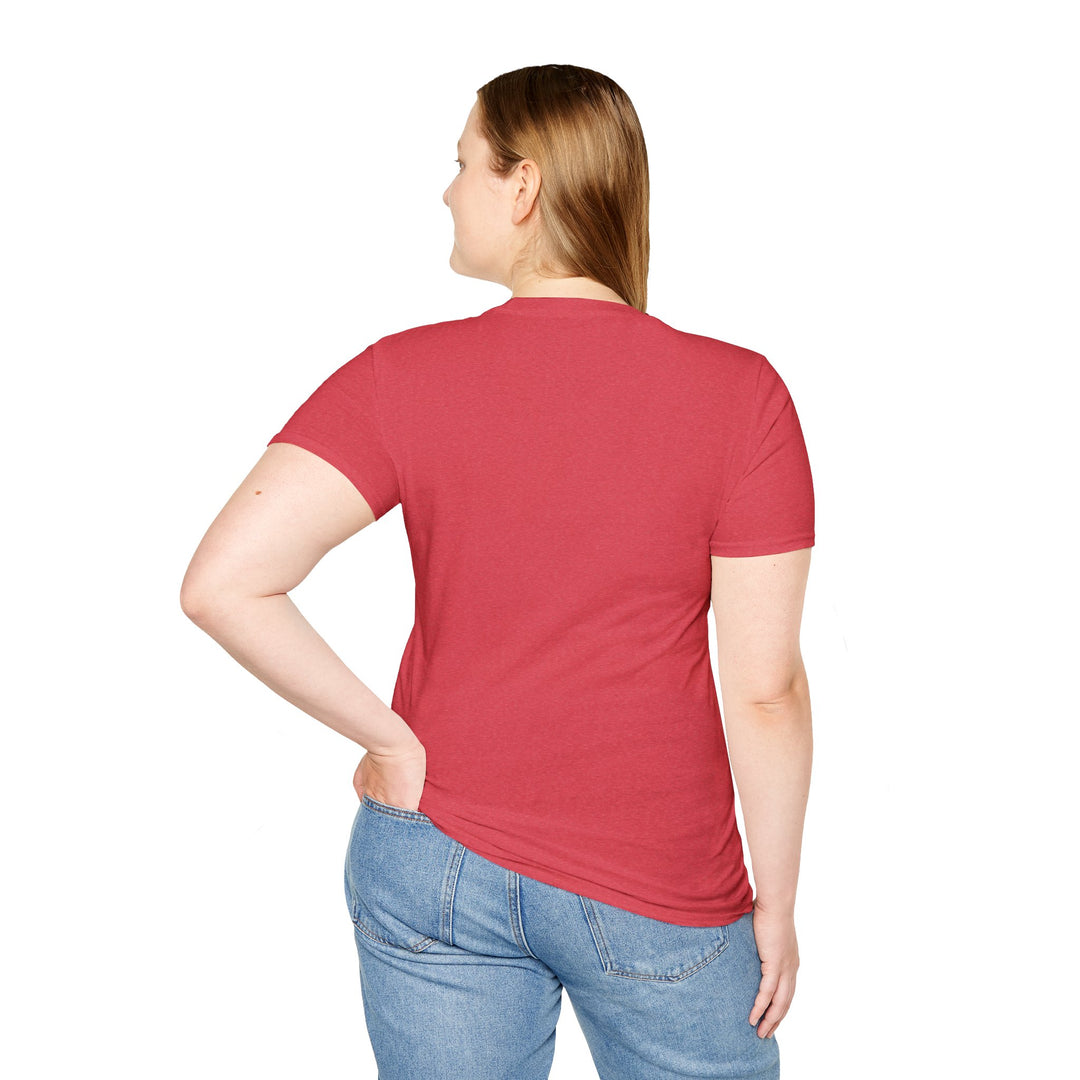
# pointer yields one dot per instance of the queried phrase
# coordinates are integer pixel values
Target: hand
(779, 952)
(393, 777)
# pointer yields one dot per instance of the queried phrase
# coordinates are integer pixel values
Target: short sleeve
(770, 508)
(340, 422)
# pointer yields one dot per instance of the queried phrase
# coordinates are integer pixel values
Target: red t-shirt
(565, 468)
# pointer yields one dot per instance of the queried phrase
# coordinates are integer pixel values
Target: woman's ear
(526, 186)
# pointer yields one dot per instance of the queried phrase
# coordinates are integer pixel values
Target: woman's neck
(586, 288)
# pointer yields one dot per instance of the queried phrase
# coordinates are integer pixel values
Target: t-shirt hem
(570, 882)
(759, 547)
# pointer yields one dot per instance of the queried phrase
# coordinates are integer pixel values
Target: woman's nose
(446, 196)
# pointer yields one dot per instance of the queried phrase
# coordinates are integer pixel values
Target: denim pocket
(396, 811)
(394, 872)
(639, 947)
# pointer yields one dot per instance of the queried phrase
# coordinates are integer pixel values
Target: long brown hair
(581, 128)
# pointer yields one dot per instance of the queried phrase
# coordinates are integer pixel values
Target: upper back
(594, 436)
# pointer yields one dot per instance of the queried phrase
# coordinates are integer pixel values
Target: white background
(208, 207)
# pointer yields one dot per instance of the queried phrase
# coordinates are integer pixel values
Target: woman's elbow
(196, 601)
(202, 598)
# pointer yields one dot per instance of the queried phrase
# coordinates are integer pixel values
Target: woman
(548, 803)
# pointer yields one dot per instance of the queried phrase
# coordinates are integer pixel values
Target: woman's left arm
(292, 508)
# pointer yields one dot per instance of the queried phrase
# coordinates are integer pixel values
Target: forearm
(770, 748)
(271, 638)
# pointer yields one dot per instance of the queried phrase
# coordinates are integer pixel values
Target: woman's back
(566, 467)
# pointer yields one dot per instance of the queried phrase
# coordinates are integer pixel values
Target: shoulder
(734, 371)
(425, 337)
(711, 349)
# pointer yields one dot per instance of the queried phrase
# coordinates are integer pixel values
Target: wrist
(781, 908)
(409, 746)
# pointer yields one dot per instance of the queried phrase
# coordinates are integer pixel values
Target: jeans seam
(513, 901)
(603, 949)
(449, 891)
(396, 811)
(420, 946)
(670, 978)
(597, 934)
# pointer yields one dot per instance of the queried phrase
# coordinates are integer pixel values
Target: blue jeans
(463, 964)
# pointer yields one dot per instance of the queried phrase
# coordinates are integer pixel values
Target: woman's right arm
(757, 603)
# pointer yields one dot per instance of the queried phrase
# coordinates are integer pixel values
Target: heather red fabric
(565, 468)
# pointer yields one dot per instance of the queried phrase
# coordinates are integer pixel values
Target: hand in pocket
(394, 778)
